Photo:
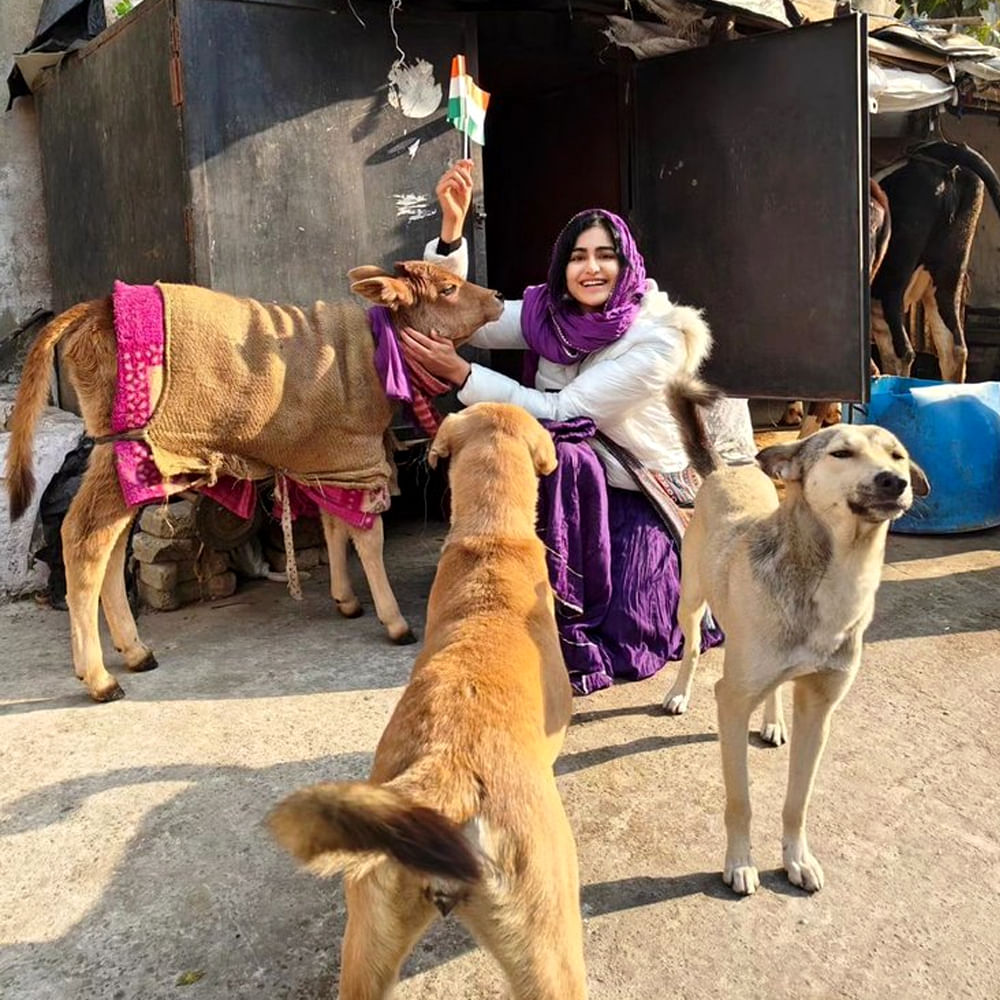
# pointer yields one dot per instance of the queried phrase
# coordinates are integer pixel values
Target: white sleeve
(605, 391)
(503, 333)
(457, 260)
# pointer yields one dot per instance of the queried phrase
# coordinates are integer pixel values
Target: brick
(173, 520)
(149, 549)
(212, 563)
(159, 600)
(213, 587)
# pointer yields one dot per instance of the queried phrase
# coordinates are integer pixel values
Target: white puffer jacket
(621, 387)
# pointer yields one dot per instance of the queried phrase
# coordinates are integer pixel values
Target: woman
(603, 344)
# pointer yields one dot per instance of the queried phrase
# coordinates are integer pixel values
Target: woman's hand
(454, 195)
(435, 353)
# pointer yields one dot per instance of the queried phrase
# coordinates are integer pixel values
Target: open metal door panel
(749, 197)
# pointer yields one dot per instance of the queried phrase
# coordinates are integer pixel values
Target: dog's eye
(449, 289)
(897, 457)
(842, 453)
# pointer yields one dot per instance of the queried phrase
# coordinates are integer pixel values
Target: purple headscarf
(564, 334)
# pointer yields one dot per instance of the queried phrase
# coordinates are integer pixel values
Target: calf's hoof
(108, 692)
(406, 638)
(148, 662)
(351, 608)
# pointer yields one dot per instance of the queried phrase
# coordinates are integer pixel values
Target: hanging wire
(395, 5)
(357, 16)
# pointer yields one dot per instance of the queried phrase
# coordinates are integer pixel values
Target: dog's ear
(781, 461)
(441, 445)
(918, 480)
(543, 451)
(385, 290)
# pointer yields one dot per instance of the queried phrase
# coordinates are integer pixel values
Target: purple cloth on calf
(613, 566)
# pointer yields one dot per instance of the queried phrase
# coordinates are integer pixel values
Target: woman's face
(593, 267)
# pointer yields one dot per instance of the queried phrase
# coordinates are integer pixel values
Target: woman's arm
(605, 391)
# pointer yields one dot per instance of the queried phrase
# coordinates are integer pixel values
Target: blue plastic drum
(953, 433)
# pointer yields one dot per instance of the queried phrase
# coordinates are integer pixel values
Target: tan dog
(793, 588)
(462, 811)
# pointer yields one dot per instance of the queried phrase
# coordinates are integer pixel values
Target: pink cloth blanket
(139, 332)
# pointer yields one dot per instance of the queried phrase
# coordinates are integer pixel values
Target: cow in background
(935, 199)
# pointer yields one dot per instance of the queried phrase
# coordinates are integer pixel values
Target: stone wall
(25, 285)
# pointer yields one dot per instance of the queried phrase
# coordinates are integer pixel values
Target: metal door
(749, 196)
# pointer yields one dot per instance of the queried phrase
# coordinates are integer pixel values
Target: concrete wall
(24, 264)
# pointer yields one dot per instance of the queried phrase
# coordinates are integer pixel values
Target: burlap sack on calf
(250, 387)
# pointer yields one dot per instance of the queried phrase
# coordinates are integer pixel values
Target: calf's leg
(96, 521)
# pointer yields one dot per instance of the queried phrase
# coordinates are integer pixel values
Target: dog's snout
(890, 484)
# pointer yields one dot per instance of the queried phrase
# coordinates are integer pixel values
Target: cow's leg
(337, 538)
(369, 545)
(943, 309)
(820, 414)
(114, 602)
(889, 333)
(97, 518)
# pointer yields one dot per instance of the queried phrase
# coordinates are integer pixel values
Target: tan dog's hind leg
(734, 708)
(816, 696)
(94, 524)
(531, 924)
(773, 728)
(370, 550)
(114, 602)
(386, 914)
(337, 538)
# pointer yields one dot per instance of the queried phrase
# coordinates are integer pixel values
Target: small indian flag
(467, 103)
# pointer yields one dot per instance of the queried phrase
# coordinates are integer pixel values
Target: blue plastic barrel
(953, 433)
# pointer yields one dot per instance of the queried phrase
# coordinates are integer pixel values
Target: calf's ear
(385, 291)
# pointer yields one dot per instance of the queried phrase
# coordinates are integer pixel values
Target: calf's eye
(449, 289)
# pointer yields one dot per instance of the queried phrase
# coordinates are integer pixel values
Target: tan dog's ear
(441, 445)
(543, 451)
(366, 271)
(918, 480)
(781, 461)
(385, 291)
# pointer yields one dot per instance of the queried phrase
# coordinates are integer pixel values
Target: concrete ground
(133, 862)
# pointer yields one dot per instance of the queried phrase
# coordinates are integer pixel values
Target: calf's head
(428, 297)
(849, 471)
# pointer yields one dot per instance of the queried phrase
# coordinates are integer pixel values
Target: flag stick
(465, 144)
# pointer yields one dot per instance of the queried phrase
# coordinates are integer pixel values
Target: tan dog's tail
(346, 819)
(686, 395)
(32, 395)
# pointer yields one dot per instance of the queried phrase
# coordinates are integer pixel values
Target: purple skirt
(614, 568)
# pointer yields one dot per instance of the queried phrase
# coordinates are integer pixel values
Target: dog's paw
(743, 877)
(675, 703)
(802, 868)
(775, 733)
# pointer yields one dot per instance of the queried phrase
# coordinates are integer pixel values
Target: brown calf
(95, 531)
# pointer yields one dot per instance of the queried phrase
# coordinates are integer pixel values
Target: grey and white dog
(792, 585)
